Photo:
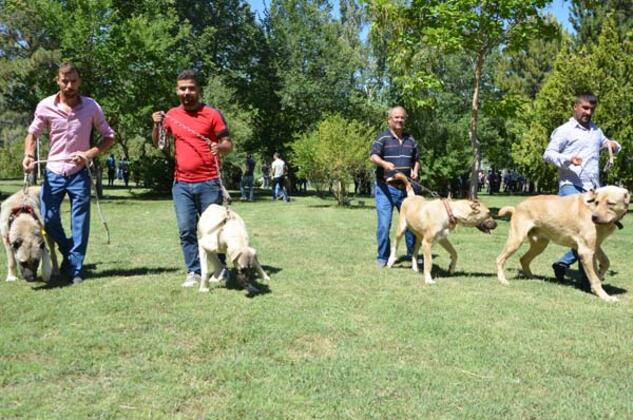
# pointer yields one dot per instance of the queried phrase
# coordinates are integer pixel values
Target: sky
(560, 9)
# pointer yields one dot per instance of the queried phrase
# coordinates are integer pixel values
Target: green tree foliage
(603, 68)
(333, 154)
(425, 27)
(588, 16)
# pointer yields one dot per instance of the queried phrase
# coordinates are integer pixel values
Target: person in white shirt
(278, 169)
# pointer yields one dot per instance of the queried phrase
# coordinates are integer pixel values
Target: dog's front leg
(428, 261)
(452, 252)
(53, 255)
(12, 274)
(603, 262)
(587, 259)
(46, 265)
(260, 270)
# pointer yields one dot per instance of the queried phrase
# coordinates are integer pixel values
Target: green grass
(336, 337)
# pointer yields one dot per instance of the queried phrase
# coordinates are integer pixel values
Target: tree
(333, 153)
(603, 68)
(588, 16)
(425, 27)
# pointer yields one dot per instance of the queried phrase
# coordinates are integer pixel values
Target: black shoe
(559, 271)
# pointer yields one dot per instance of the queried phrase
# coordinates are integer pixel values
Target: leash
(162, 140)
(87, 163)
(451, 217)
(420, 186)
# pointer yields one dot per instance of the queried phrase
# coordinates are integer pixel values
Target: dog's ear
(475, 205)
(590, 197)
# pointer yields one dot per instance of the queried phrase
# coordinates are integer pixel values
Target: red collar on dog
(451, 217)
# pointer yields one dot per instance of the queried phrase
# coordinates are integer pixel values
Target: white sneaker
(192, 280)
(77, 280)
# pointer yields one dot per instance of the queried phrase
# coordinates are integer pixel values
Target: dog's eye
(17, 243)
(591, 200)
(610, 203)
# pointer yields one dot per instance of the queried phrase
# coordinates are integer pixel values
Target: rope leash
(87, 163)
(162, 144)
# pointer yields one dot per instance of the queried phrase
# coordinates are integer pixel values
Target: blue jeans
(54, 188)
(279, 189)
(246, 184)
(571, 256)
(190, 200)
(388, 197)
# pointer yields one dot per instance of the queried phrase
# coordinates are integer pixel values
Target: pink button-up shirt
(68, 132)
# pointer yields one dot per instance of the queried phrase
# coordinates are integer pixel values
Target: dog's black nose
(594, 219)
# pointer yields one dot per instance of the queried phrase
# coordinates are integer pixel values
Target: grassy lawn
(335, 337)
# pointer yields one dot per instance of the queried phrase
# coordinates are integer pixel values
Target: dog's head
(27, 243)
(608, 204)
(245, 261)
(478, 215)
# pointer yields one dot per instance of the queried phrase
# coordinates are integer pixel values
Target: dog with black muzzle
(432, 220)
(222, 231)
(26, 243)
(579, 221)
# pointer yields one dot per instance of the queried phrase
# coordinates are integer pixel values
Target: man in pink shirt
(69, 119)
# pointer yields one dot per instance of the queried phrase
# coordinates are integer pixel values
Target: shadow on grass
(437, 271)
(262, 288)
(573, 279)
(59, 281)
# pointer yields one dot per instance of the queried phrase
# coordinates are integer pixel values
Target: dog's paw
(203, 290)
(429, 281)
(11, 278)
(266, 277)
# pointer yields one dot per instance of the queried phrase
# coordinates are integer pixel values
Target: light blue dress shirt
(572, 139)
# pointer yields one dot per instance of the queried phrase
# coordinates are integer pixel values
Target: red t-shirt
(194, 160)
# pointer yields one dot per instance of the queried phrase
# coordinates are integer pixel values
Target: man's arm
(224, 146)
(416, 170)
(81, 158)
(29, 153)
(553, 152)
(157, 118)
(378, 161)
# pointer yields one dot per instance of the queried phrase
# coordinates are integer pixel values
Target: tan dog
(581, 222)
(431, 221)
(222, 231)
(24, 239)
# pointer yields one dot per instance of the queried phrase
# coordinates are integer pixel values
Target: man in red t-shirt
(197, 175)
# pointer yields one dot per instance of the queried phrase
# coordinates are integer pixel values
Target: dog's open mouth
(487, 226)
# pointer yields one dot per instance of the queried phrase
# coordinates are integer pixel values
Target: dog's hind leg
(516, 236)
(400, 230)
(204, 270)
(414, 255)
(603, 262)
(452, 252)
(12, 274)
(586, 256)
(537, 246)
(428, 261)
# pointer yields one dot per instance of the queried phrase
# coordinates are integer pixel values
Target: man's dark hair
(68, 67)
(188, 75)
(586, 97)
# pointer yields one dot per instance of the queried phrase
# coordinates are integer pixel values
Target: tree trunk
(472, 128)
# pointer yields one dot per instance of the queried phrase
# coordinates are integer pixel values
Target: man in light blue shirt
(574, 148)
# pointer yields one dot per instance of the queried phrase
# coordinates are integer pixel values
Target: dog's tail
(506, 211)
(407, 185)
